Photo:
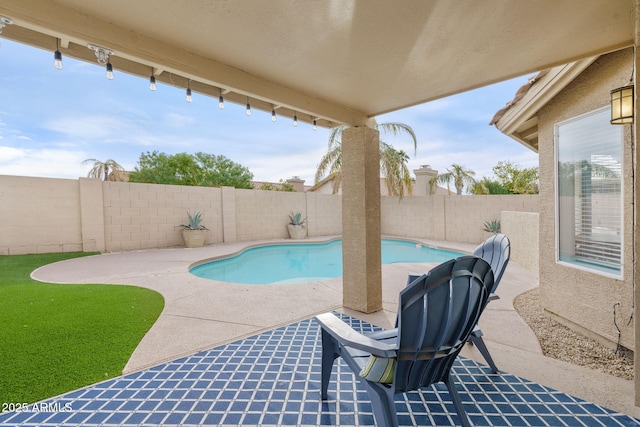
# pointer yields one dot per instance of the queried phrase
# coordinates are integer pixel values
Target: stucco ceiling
(338, 60)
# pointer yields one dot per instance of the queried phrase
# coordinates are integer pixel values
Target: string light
(152, 81)
(295, 119)
(189, 97)
(57, 57)
(248, 107)
(109, 71)
(103, 58)
(273, 114)
(221, 100)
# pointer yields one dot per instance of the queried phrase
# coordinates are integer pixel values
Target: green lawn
(56, 338)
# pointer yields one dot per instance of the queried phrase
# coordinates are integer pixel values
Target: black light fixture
(152, 81)
(109, 71)
(248, 107)
(189, 97)
(57, 56)
(221, 100)
(622, 105)
(295, 119)
(273, 114)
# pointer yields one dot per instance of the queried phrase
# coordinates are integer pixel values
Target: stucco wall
(580, 298)
(522, 228)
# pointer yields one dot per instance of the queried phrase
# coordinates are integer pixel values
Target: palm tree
(393, 163)
(460, 176)
(105, 169)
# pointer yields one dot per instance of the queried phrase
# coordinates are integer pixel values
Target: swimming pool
(308, 262)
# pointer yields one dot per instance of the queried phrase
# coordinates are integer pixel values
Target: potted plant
(296, 227)
(194, 233)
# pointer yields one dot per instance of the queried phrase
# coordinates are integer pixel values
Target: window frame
(585, 266)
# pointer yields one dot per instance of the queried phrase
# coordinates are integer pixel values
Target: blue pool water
(304, 263)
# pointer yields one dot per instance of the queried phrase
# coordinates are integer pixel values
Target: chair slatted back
(436, 314)
(496, 250)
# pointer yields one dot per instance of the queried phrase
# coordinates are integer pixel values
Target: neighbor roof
(340, 61)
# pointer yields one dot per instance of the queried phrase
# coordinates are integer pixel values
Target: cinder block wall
(39, 215)
(55, 215)
(144, 216)
(453, 218)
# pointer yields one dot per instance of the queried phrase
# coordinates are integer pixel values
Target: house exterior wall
(582, 299)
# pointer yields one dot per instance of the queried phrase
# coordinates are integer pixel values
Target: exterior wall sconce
(622, 105)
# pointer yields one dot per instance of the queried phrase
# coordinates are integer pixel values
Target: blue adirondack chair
(496, 250)
(436, 314)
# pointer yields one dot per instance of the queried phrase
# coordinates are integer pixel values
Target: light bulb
(57, 60)
(315, 124)
(152, 82)
(189, 97)
(221, 102)
(273, 115)
(109, 71)
(248, 108)
(295, 120)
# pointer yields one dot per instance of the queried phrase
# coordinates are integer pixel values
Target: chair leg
(329, 355)
(383, 404)
(476, 339)
(455, 397)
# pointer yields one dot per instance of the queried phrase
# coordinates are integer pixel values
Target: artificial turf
(55, 338)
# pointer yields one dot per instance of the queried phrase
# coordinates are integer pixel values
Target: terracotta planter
(297, 231)
(194, 238)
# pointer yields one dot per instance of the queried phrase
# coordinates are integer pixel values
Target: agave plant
(296, 219)
(492, 226)
(194, 223)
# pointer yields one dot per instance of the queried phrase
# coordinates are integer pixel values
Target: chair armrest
(345, 335)
(493, 296)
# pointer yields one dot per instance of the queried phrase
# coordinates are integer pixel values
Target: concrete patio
(201, 314)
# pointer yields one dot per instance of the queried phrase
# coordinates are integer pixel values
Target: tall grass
(55, 338)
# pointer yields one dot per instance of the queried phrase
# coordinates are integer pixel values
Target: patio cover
(338, 61)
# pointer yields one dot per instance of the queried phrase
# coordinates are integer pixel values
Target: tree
(282, 185)
(200, 169)
(107, 170)
(460, 175)
(487, 186)
(515, 179)
(393, 163)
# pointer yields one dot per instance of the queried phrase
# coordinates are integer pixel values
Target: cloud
(42, 163)
(10, 153)
(178, 120)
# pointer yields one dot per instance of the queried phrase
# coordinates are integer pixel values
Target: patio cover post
(361, 248)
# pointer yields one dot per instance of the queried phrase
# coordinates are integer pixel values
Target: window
(589, 192)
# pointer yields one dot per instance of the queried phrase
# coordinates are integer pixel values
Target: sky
(52, 120)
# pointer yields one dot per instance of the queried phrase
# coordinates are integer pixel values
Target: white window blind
(589, 205)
